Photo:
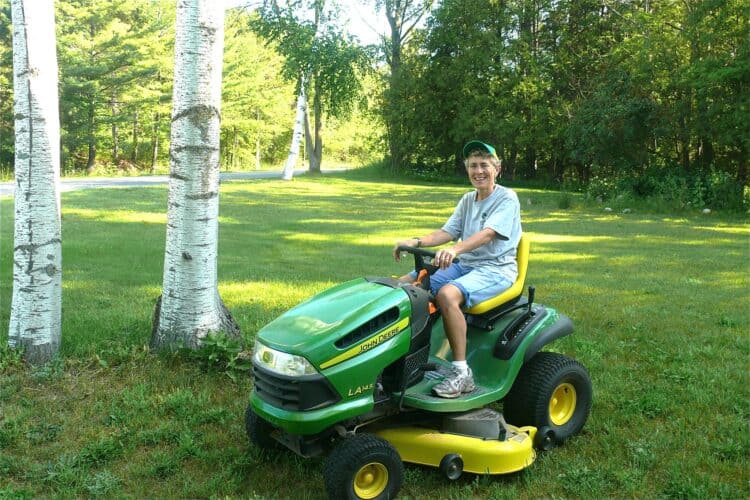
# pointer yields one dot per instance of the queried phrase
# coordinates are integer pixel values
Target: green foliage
(116, 65)
(569, 91)
(113, 79)
(318, 54)
(10, 358)
(573, 90)
(565, 202)
(255, 97)
(220, 352)
(6, 90)
(672, 190)
(49, 371)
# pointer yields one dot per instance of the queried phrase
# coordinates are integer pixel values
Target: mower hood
(333, 321)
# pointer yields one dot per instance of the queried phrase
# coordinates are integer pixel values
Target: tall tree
(190, 306)
(403, 17)
(317, 51)
(255, 96)
(109, 59)
(37, 254)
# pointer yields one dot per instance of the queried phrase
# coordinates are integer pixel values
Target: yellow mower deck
(480, 456)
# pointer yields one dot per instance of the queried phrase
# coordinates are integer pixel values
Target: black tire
(552, 392)
(544, 440)
(452, 466)
(363, 466)
(258, 430)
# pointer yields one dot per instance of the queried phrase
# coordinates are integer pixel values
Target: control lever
(532, 290)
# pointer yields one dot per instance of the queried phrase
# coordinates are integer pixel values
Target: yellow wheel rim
(562, 404)
(371, 480)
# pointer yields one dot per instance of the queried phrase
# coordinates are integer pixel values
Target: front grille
(374, 325)
(294, 393)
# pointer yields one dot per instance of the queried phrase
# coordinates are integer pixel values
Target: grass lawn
(661, 305)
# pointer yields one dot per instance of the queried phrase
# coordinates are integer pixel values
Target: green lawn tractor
(348, 374)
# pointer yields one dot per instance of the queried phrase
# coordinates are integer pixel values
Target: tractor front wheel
(363, 467)
(553, 393)
(258, 430)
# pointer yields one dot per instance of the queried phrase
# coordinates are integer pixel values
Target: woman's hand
(444, 257)
(411, 242)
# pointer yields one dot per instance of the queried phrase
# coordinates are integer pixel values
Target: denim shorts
(476, 284)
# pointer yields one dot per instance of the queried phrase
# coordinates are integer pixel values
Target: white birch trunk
(190, 306)
(298, 132)
(37, 253)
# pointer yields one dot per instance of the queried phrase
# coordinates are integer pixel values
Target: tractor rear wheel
(363, 466)
(552, 392)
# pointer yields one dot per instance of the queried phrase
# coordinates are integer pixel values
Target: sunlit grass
(661, 306)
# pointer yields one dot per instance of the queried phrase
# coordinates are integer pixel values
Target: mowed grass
(661, 306)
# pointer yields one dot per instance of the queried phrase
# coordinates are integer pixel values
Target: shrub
(601, 188)
(565, 201)
(220, 352)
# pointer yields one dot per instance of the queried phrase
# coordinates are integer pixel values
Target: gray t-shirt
(500, 211)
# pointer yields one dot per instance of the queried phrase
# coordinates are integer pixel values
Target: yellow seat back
(516, 289)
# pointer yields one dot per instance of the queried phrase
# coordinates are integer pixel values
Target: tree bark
(316, 155)
(257, 143)
(134, 151)
(402, 16)
(394, 121)
(115, 133)
(299, 119)
(155, 142)
(35, 317)
(190, 306)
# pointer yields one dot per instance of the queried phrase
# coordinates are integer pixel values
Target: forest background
(617, 98)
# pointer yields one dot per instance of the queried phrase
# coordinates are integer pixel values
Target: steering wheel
(419, 258)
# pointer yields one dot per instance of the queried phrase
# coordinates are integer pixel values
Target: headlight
(281, 362)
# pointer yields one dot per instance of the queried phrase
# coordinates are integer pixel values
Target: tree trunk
(134, 151)
(315, 146)
(91, 162)
(35, 314)
(155, 142)
(257, 141)
(742, 171)
(395, 22)
(234, 148)
(190, 306)
(299, 119)
(115, 134)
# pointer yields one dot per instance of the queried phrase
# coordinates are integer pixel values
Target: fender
(560, 328)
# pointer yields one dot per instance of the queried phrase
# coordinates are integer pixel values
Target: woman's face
(482, 172)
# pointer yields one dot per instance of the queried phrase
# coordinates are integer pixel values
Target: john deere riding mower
(349, 374)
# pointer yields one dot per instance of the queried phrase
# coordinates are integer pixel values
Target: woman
(485, 228)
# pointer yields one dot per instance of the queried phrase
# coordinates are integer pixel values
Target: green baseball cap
(472, 145)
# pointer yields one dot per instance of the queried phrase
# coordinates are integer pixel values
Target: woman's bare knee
(450, 296)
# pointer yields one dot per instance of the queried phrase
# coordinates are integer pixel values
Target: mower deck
(479, 455)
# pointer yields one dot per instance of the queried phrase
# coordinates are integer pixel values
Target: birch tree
(37, 252)
(298, 131)
(190, 306)
(318, 49)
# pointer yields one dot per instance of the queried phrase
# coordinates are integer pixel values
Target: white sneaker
(456, 383)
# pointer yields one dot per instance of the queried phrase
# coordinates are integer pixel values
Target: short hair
(496, 162)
